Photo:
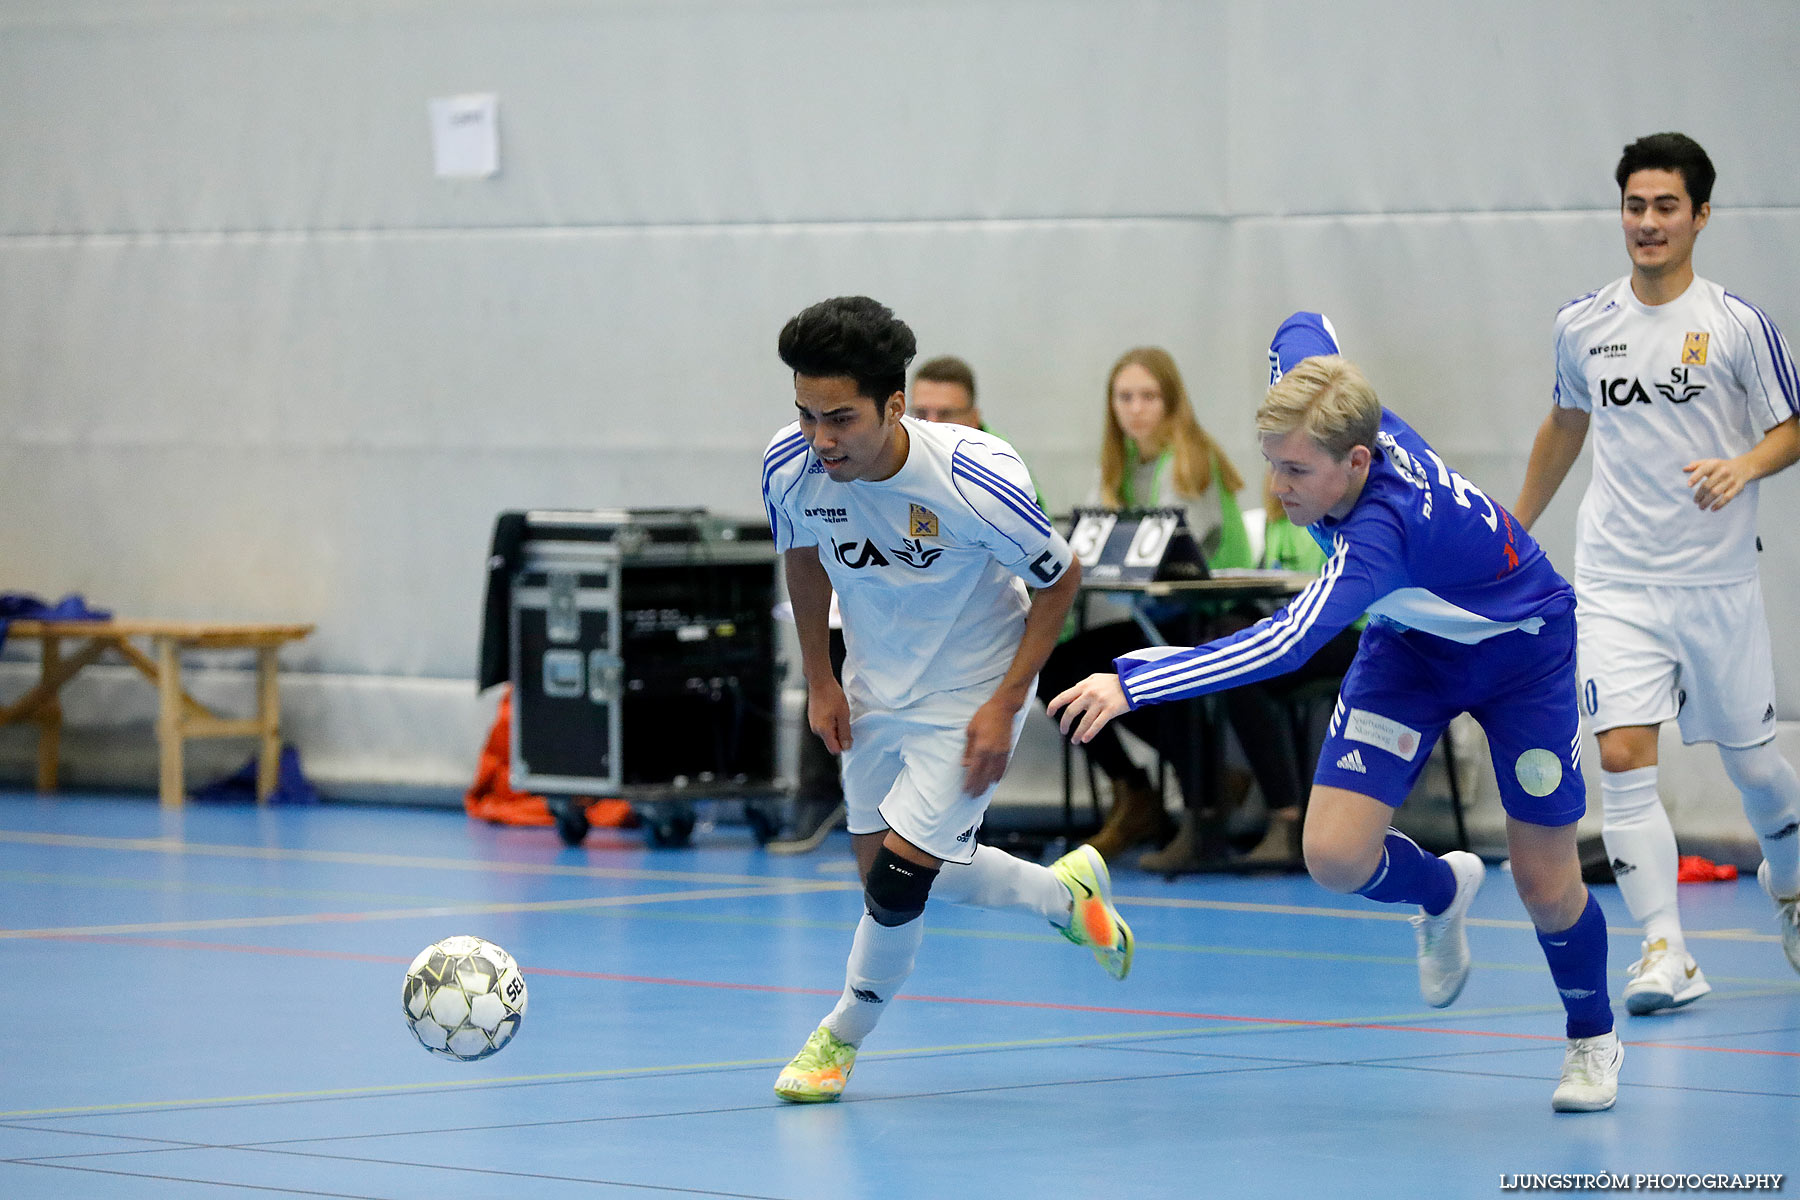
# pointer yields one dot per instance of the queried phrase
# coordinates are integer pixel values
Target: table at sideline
(179, 715)
(1228, 586)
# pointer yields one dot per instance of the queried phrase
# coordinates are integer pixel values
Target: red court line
(720, 985)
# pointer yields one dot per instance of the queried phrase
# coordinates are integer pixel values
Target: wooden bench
(179, 715)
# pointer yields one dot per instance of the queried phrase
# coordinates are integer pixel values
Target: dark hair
(1670, 152)
(948, 369)
(851, 337)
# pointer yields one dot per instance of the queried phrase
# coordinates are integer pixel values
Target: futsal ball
(464, 998)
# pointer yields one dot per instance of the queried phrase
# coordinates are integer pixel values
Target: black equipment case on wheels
(641, 648)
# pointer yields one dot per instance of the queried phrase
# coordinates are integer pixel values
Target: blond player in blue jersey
(953, 587)
(1466, 615)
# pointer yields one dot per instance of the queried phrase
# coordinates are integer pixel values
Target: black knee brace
(897, 889)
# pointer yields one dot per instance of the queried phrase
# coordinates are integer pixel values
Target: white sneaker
(1590, 1077)
(1787, 912)
(1662, 980)
(1443, 943)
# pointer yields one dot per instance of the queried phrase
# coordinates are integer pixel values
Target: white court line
(1351, 914)
(176, 846)
(771, 883)
(800, 887)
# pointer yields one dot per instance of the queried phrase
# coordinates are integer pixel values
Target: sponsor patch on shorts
(1538, 772)
(1383, 733)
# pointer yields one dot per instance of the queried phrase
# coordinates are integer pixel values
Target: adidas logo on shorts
(1352, 762)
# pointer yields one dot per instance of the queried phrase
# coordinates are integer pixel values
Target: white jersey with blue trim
(1422, 548)
(930, 565)
(1704, 376)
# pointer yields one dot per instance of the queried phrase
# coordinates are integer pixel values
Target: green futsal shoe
(819, 1072)
(1093, 921)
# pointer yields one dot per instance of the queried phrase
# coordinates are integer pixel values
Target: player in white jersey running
(930, 537)
(1692, 396)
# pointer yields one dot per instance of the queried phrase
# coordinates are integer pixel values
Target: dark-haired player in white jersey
(953, 587)
(1691, 395)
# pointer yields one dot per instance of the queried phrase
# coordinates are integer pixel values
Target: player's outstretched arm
(1716, 482)
(809, 590)
(1086, 708)
(1553, 452)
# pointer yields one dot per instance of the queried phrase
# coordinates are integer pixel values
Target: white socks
(1641, 844)
(881, 958)
(1772, 803)
(998, 880)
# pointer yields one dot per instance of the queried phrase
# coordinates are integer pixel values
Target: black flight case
(643, 661)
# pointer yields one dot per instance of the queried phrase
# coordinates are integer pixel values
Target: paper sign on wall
(465, 136)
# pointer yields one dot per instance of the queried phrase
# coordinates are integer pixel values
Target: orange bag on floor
(1692, 868)
(492, 798)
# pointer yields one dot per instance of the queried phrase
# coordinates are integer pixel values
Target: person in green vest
(1153, 454)
(943, 391)
(1259, 712)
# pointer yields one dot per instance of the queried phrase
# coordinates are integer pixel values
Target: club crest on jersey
(921, 522)
(1693, 350)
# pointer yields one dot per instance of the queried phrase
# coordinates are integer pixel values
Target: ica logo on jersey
(1623, 392)
(857, 555)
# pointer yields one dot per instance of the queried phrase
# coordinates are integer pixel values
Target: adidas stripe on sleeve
(1769, 379)
(997, 487)
(784, 464)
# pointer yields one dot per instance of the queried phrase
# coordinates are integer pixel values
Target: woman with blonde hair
(1153, 454)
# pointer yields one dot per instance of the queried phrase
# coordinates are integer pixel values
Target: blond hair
(1330, 398)
(1195, 450)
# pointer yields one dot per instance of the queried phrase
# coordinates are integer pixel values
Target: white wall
(256, 363)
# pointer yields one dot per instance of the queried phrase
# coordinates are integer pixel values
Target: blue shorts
(1405, 686)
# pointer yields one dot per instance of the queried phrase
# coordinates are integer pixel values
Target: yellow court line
(163, 845)
(1352, 914)
(1209, 1030)
(405, 914)
(773, 883)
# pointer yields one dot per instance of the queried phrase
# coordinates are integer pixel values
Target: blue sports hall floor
(207, 1003)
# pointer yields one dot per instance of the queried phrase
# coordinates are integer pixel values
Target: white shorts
(904, 771)
(1700, 655)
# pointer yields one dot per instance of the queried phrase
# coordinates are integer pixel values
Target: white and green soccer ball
(464, 998)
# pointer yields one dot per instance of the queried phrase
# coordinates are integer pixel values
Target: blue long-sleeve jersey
(1422, 547)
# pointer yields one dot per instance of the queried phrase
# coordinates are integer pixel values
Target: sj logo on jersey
(1693, 350)
(921, 522)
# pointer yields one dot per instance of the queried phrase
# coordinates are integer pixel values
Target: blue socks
(1577, 958)
(1577, 955)
(1408, 875)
